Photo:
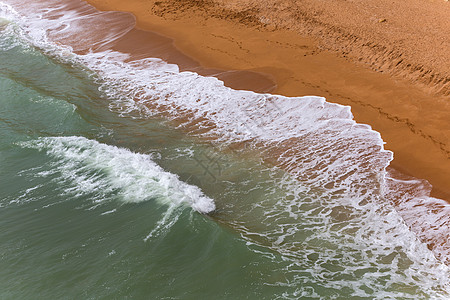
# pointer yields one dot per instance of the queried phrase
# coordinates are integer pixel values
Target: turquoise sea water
(100, 201)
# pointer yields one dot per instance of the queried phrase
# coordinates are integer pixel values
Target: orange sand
(389, 60)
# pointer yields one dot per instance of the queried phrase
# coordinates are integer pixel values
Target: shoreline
(426, 217)
(413, 120)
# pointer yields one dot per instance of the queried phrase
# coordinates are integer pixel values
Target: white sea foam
(91, 167)
(343, 215)
(334, 224)
(367, 249)
(428, 217)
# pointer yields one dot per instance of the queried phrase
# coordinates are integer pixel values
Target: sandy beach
(389, 62)
(225, 149)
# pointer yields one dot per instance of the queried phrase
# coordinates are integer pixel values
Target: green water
(55, 240)
(85, 214)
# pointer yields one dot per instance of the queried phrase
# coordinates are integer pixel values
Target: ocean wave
(90, 167)
(338, 217)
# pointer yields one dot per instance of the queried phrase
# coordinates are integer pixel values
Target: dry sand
(389, 60)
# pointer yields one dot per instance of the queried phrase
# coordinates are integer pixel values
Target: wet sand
(308, 57)
(413, 120)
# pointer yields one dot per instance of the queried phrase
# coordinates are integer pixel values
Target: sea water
(134, 180)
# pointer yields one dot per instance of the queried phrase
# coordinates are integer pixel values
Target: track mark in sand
(289, 45)
(413, 128)
(443, 147)
(312, 50)
(230, 39)
(228, 54)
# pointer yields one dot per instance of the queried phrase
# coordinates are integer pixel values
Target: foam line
(336, 217)
(98, 168)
